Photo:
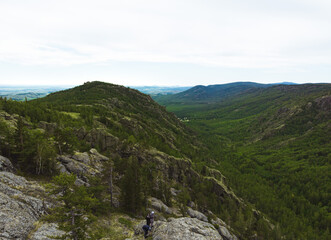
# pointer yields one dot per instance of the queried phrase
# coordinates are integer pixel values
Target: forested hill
(276, 150)
(151, 161)
(210, 93)
(126, 112)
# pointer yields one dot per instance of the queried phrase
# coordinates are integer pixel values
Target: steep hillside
(275, 150)
(151, 161)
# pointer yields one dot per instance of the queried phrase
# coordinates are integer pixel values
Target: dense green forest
(274, 145)
(271, 142)
(140, 138)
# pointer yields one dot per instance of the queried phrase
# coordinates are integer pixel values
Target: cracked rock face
(185, 229)
(20, 206)
(82, 164)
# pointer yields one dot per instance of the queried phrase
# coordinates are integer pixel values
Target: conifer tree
(75, 213)
(131, 196)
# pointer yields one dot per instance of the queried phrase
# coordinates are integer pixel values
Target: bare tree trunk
(39, 165)
(60, 150)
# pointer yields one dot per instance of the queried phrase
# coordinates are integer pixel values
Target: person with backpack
(146, 228)
(150, 219)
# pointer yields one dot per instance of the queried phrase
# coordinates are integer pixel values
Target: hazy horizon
(158, 86)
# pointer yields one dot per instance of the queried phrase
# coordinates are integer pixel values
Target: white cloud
(235, 34)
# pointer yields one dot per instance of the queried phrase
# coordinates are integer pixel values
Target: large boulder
(184, 229)
(20, 205)
(226, 234)
(159, 205)
(6, 165)
(196, 214)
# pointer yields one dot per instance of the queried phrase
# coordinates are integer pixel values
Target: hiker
(146, 228)
(150, 219)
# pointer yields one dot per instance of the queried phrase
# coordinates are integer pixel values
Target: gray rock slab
(184, 229)
(19, 208)
(47, 231)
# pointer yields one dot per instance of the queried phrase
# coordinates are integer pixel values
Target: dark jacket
(148, 220)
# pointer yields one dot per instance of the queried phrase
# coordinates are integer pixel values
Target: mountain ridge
(210, 93)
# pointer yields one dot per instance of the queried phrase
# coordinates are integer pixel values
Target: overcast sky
(169, 42)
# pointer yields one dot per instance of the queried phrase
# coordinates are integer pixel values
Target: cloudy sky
(169, 42)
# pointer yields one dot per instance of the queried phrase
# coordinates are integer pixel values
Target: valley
(272, 142)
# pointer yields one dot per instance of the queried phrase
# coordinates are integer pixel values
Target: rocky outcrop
(184, 229)
(226, 234)
(196, 214)
(10, 120)
(196, 227)
(98, 137)
(6, 165)
(223, 229)
(82, 164)
(21, 205)
(216, 174)
(173, 168)
(324, 103)
(158, 205)
(181, 169)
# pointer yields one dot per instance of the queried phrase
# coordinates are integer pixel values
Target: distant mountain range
(213, 93)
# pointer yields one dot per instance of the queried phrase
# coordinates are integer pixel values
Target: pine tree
(75, 214)
(132, 200)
